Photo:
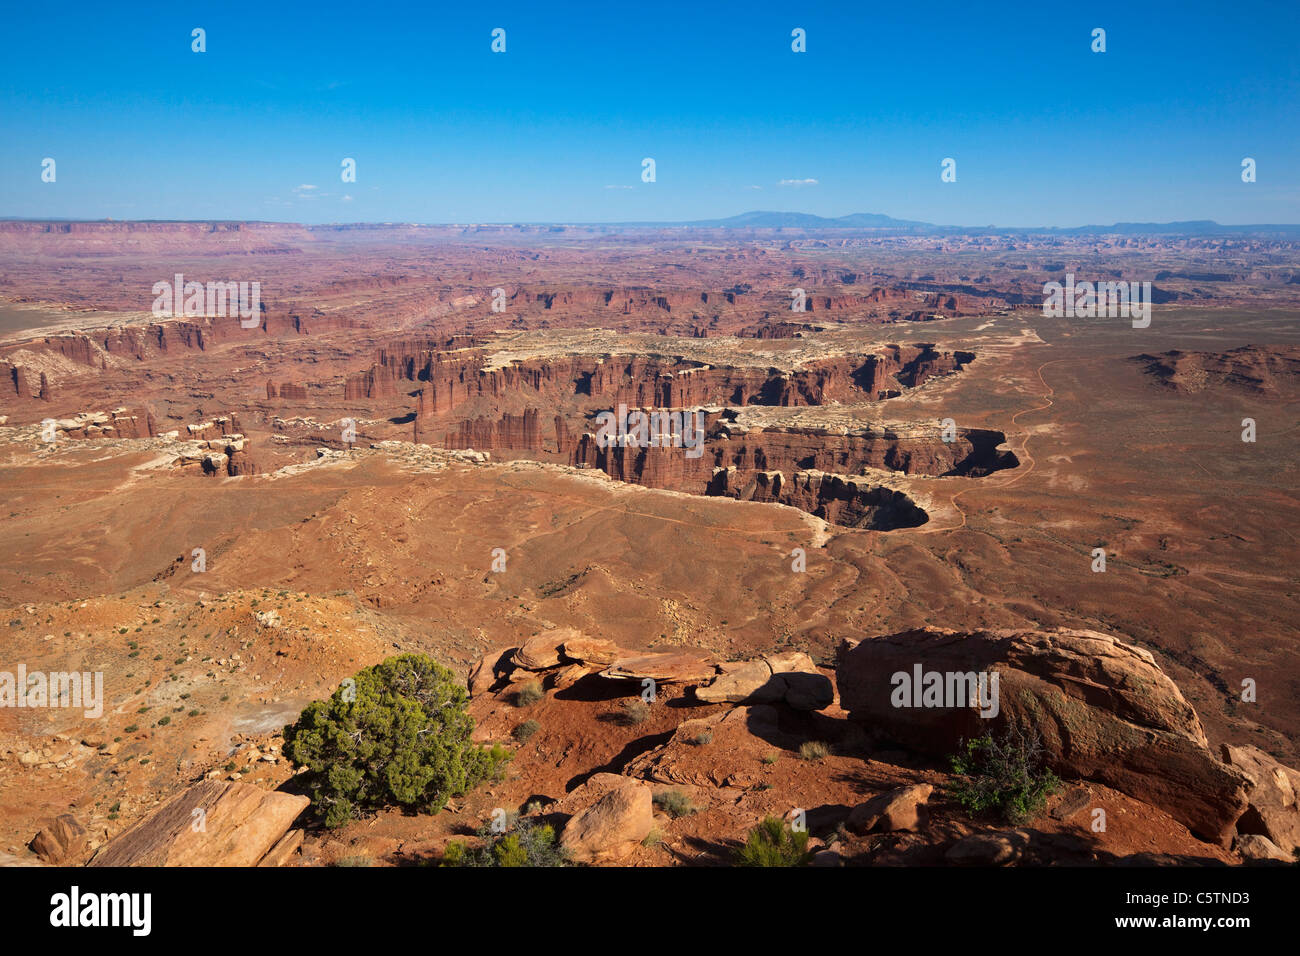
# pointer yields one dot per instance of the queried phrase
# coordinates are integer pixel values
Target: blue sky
(1044, 131)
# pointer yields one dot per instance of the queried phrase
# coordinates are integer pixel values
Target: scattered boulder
(1102, 709)
(791, 677)
(749, 682)
(490, 670)
(592, 650)
(569, 674)
(664, 667)
(213, 823)
(901, 809)
(61, 842)
(1256, 848)
(612, 827)
(1272, 809)
(805, 691)
(995, 848)
(543, 650)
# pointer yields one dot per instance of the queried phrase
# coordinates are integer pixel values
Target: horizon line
(883, 222)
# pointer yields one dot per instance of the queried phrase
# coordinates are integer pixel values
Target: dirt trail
(1022, 451)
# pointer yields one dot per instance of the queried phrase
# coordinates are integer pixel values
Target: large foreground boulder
(901, 809)
(62, 840)
(214, 823)
(613, 826)
(542, 651)
(1102, 709)
(1273, 811)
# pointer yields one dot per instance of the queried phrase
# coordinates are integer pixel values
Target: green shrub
(674, 803)
(403, 741)
(771, 758)
(702, 738)
(526, 844)
(772, 843)
(1002, 775)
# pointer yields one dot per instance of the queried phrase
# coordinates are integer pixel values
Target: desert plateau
(229, 522)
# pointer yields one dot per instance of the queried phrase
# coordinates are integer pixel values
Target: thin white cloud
(797, 182)
(619, 187)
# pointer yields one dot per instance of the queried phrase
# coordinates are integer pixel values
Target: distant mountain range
(802, 222)
(888, 224)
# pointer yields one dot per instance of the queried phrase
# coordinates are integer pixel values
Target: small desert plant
(772, 843)
(396, 735)
(1002, 775)
(525, 730)
(771, 758)
(674, 803)
(354, 861)
(635, 711)
(526, 844)
(702, 738)
(529, 694)
(814, 750)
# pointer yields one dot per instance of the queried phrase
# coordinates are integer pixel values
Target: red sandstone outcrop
(119, 423)
(213, 823)
(116, 238)
(664, 667)
(61, 842)
(1257, 370)
(214, 428)
(791, 677)
(765, 464)
(516, 432)
(453, 378)
(1273, 795)
(1102, 709)
(286, 390)
(852, 502)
